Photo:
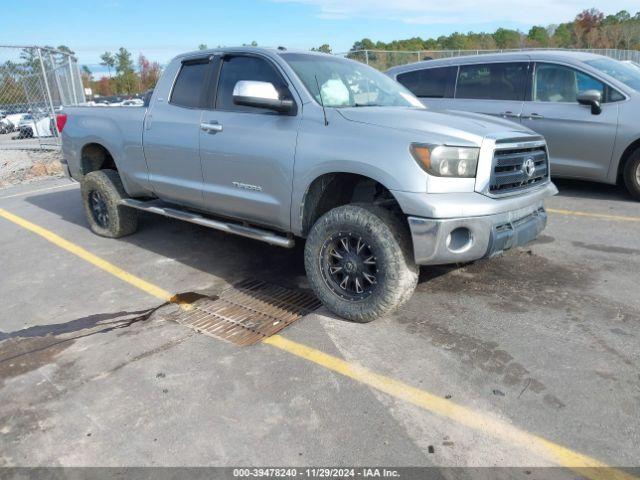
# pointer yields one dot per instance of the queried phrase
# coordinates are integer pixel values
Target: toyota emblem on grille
(529, 167)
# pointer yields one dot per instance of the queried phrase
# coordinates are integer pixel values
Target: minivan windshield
(622, 72)
(346, 83)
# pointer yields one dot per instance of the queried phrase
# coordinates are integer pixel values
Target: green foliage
(538, 36)
(324, 48)
(589, 29)
(108, 60)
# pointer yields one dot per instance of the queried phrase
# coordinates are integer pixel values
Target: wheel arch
(633, 146)
(334, 189)
(95, 156)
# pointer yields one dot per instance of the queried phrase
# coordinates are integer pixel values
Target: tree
(563, 35)
(104, 87)
(203, 46)
(126, 78)
(108, 60)
(585, 23)
(86, 76)
(506, 38)
(65, 49)
(538, 36)
(324, 48)
(364, 44)
(124, 64)
(149, 73)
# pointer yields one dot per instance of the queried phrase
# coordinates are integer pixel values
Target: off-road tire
(106, 185)
(632, 174)
(388, 237)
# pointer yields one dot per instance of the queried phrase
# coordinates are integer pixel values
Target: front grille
(512, 171)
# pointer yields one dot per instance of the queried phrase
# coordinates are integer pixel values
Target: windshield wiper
(367, 105)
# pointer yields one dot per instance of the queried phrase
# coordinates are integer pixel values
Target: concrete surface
(544, 338)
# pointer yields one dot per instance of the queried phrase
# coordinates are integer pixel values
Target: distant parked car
(585, 105)
(12, 120)
(134, 102)
(34, 127)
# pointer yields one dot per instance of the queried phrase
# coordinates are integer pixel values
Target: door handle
(211, 127)
(510, 114)
(535, 116)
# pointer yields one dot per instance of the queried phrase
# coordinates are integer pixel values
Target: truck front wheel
(102, 191)
(359, 261)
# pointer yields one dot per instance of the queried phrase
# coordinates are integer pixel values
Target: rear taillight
(61, 121)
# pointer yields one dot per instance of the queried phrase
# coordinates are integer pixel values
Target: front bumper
(456, 240)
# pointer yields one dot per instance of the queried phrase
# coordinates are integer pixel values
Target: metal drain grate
(248, 312)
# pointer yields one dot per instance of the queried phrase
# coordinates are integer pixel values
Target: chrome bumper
(456, 240)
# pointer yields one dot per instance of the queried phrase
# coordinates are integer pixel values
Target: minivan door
(172, 134)
(247, 152)
(580, 142)
(491, 88)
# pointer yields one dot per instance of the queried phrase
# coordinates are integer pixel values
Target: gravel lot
(27, 165)
(483, 362)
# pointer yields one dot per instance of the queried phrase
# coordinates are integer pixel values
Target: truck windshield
(622, 72)
(346, 83)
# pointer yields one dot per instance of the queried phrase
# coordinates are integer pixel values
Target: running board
(156, 206)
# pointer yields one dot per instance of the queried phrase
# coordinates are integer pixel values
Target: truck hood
(472, 127)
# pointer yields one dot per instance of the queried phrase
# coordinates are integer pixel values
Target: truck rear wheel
(632, 174)
(359, 261)
(102, 191)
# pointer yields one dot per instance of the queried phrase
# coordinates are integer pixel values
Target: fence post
(55, 77)
(73, 83)
(46, 86)
(366, 56)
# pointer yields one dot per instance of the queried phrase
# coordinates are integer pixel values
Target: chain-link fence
(385, 59)
(36, 83)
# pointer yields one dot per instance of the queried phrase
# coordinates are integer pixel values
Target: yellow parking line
(505, 432)
(587, 466)
(88, 256)
(604, 216)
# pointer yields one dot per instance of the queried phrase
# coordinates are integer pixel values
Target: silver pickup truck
(279, 145)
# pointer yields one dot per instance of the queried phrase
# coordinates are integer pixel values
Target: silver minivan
(586, 106)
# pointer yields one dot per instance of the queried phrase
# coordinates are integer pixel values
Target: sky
(162, 29)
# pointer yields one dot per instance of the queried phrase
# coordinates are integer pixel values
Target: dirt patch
(517, 283)
(24, 166)
(19, 356)
(34, 347)
(486, 356)
(606, 248)
(521, 282)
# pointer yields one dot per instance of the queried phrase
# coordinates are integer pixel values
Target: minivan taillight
(61, 121)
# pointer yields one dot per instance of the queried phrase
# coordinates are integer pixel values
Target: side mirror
(261, 95)
(592, 98)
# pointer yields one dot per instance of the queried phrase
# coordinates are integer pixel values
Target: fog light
(459, 240)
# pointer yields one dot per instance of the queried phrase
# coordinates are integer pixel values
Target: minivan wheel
(359, 261)
(102, 191)
(632, 174)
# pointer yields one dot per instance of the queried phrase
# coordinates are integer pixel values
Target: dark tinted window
(235, 69)
(430, 82)
(187, 90)
(492, 81)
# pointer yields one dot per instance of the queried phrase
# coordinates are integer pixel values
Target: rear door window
(188, 88)
(430, 82)
(492, 81)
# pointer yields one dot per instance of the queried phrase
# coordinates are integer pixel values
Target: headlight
(443, 161)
